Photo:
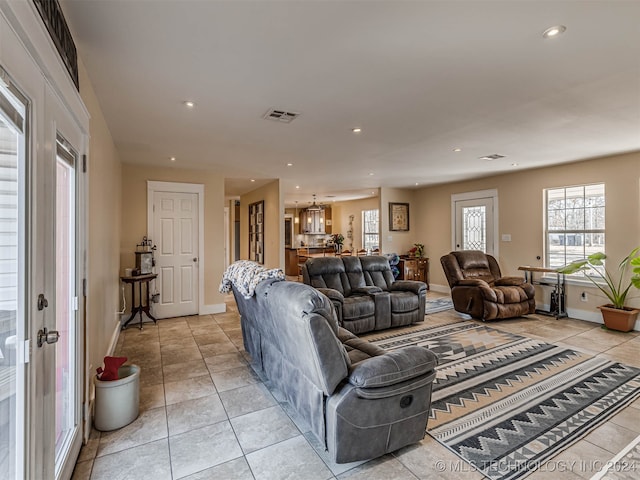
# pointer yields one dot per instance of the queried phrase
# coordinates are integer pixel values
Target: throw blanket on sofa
(245, 275)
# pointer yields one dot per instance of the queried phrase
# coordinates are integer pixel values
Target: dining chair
(303, 256)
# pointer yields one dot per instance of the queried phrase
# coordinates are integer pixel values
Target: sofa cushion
(402, 302)
(377, 271)
(327, 272)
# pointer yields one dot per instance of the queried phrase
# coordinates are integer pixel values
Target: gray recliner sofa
(364, 292)
(359, 400)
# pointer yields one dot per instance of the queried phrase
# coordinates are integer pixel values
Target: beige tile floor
(205, 414)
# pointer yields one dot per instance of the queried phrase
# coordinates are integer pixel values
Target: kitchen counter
(291, 257)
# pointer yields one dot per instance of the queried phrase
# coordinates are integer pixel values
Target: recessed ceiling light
(253, 179)
(356, 130)
(514, 164)
(554, 31)
(373, 193)
(289, 164)
(371, 174)
(173, 159)
(298, 187)
(417, 184)
(189, 104)
(457, 149)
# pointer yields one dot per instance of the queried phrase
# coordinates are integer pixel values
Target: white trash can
(117, 401)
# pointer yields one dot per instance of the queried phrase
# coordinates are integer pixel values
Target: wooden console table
(414, 268)
(140, 307)
(557, 304)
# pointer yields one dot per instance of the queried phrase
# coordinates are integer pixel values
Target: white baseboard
(212, 308)
(586, 315)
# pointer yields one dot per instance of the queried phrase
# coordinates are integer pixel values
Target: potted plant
(338, 240)
(417, 250)
(616, 287)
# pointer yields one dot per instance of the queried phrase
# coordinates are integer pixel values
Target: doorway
(176, 226)
(475, 221)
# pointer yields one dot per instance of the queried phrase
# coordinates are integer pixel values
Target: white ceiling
(421, 78)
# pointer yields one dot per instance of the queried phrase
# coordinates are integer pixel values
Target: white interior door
(175, 233)
(475, 222)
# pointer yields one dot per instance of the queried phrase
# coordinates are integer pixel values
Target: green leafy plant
(615, 287)
(417, 250)
(337, 238)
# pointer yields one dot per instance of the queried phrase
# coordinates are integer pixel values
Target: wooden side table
(413, 268)
(557, 304)
(139, 307)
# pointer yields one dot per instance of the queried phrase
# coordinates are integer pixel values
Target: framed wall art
(398, 217)
(256, 232)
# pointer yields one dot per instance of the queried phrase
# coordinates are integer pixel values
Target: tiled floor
(205, 414)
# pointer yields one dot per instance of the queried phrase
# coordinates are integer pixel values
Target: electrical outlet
(584, 297)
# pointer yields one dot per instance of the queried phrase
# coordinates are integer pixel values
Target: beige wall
(395, 241)
(134, 218)
(520, 198)
(104, 170)
(273, 223)
(340, 212)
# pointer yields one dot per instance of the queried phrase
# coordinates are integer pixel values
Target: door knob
(195, 259)
(46, 336)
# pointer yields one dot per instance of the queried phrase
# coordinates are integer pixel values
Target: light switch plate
(506, 237)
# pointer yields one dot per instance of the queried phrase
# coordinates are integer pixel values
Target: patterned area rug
(435, 305)
(507, 403)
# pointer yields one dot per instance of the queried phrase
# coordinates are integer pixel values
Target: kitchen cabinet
(414, 269)
(313, 221)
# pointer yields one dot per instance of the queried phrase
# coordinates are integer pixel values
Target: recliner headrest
(472, 260)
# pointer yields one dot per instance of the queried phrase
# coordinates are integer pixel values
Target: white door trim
(174, 187)
(490, 193)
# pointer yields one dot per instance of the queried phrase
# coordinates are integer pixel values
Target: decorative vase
(619, 319)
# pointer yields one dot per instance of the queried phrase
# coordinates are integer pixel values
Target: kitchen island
(291, 257)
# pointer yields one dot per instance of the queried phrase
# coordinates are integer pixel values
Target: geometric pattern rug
(506, 403)
(440, 304)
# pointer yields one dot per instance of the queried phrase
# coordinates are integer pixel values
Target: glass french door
(13, 318)
(474, 224)
(67, 416)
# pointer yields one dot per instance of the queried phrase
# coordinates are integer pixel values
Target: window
(574, 223)
(370, 229)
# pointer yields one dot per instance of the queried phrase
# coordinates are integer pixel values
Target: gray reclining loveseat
(364, 292)
(360, 401)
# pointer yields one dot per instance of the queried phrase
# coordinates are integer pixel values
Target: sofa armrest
(510, 281)
(472, 282)
(334, 295)
(487, 292)
(369, 289)
(414, 286)
(393, 367)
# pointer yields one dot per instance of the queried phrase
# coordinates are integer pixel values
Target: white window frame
(365, 232)
(568, 231)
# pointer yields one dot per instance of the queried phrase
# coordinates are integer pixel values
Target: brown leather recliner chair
(478, 288)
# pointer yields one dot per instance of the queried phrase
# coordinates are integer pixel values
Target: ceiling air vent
(493, 156)
(281, 115)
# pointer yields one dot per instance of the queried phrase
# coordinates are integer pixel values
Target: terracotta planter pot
(618, 319)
